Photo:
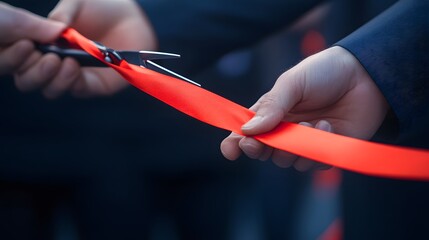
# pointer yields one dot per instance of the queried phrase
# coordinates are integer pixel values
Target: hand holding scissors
(106, 21)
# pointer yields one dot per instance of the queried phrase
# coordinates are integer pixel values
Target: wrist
(349, 64)
(363, 85)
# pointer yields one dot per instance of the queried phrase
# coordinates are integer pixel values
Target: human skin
(119, 24)
(330, 91)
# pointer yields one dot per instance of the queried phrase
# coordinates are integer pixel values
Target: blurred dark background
(122, 167)
(130, 167)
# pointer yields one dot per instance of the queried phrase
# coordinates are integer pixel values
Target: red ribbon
(340, 151)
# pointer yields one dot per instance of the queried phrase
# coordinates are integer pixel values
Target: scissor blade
(159, 67)
(132, 57)
(138, 57)
(150, 55)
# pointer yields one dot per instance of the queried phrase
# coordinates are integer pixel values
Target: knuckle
(251, 148)
(268, 99)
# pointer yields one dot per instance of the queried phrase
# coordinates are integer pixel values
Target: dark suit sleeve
(204, 30)
(394, 49)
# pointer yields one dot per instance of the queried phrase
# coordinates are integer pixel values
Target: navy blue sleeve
(204, 30)
(394, 49)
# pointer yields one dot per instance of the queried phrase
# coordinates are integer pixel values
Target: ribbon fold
(347, 153)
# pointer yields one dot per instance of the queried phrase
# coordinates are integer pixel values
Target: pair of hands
(117, 23)
(330, 90)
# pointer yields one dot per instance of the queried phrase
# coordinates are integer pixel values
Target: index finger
(16, 24)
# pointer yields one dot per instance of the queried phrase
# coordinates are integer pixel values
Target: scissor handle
(84, 59)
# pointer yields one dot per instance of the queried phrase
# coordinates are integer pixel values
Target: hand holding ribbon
(331, 149)
(329, 90)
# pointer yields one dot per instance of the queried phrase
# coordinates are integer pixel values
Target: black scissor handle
(84, 59)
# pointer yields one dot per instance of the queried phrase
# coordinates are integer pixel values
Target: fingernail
(252, 123)
(324, 125)
(249, 148)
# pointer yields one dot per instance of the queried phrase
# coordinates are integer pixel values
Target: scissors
(139, 58)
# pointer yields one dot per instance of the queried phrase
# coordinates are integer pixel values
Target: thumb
(66, 11)
(16, 24)
(272, 107)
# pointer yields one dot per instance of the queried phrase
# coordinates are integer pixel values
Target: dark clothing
(394, 50)
(205, 30)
